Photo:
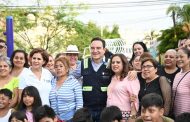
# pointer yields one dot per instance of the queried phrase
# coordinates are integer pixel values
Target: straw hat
(72, 49)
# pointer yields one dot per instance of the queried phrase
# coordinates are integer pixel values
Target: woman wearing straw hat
(72, 53)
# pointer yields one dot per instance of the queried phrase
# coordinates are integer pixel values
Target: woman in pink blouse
(121, 89)
(181, 85)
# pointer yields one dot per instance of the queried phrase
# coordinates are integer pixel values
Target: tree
(181, 29)
(174, 11)
(114, 33)
(48, 28)
(168, 41)
(83, 34)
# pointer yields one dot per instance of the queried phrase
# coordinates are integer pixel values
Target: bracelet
(133, 116)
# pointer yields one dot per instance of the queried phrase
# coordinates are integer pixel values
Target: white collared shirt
(43, 85)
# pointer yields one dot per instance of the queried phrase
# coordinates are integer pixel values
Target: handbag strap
(177, 86)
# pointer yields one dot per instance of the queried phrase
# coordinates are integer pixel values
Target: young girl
(30, 100)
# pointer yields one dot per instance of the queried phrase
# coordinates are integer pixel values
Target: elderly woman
(66, 92)
(38, 76)
(72, 53)
(153, 83)
(121, 89)
(7, 80)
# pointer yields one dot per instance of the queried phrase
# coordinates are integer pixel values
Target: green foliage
(52, 28)
(168, 40)
(83, 34)
(114, 33)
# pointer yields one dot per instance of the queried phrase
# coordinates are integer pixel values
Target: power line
(116, 5)
(139, 2)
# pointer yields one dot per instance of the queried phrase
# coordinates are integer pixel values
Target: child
(45, 114)
(184, 117)
(152, 109)
(18, 116)
(30, 100)
(82, 115)
(111, 114)
(5, 100)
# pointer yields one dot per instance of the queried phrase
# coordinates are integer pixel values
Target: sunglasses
(1, 46)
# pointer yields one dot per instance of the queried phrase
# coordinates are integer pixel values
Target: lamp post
(9, 34)
(101, 28)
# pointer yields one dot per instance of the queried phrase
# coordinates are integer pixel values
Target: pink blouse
(182, 98)
(119, 93)
(29, 116)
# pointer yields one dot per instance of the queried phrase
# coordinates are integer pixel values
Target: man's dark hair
(6, 92)
(184, 117)
(44, 111)
(99, 39)
(152, 99)
(82, 115)
(109, 114)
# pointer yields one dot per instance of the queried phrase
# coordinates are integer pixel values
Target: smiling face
(19, 60)
(148, 70)
(50, 64)
(151, 114)
(117, 65)
(60, 69)
(97, 50)
(73, 58)
(4, 69)
(4, 101)
(136, 63)
(182, 59)
(37, 61)
(170, 58)
(28, 100)
(138, 50)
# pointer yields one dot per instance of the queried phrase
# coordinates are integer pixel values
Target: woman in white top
(38, 76)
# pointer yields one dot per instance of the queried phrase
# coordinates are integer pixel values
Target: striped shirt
(67, 99)
(182, 98)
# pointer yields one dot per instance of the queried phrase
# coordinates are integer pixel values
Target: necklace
(146, 85)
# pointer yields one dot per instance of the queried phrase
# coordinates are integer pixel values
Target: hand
(133, 98)
(132, 75)
(25, 120)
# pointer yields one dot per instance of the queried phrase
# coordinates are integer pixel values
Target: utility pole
(101, 28)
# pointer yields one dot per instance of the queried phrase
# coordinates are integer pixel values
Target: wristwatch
(133, 116)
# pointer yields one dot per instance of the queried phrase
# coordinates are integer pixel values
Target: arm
(78, 95)
(15, 98)
(132, 75)
(166, 93)
(133, 113)
(19, 94)
(134, 88)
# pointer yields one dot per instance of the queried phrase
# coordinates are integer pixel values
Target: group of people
(139, 90)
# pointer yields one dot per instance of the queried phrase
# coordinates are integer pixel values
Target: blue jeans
(96, 115)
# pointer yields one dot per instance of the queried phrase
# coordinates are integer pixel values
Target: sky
(134, 17)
